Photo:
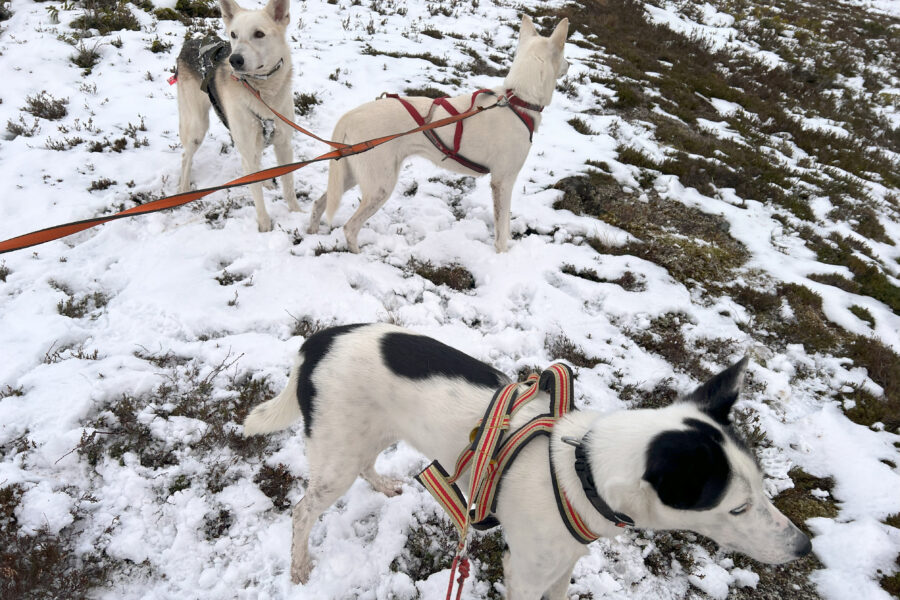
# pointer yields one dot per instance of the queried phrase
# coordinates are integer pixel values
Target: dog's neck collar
(513, 99)
(583, 470)
(264, 76)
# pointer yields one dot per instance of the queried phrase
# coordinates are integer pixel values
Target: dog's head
(699, 476)
(539, 61)
(256, 36)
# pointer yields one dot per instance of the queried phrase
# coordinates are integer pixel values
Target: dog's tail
(337, 175)
(277, 413)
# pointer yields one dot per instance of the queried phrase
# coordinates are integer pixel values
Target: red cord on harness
(463, 573)
(463, 564)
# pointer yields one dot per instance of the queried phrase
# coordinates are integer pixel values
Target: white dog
(258, 53)
(360, 388)
(497, 140)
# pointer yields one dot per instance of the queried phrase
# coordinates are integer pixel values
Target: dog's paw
(300, 573)
(269, 184)
(293, 206)
(312, 229)
(265, 225)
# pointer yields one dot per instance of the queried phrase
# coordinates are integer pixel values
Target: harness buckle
(574, 442)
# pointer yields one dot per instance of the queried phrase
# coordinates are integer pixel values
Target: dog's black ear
(688, 468)
(558, 37)
(229, 9)
(718, 395)
(280, 11)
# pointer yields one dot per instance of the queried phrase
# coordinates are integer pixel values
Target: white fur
(240, 107)
(496, 139)
(368, 407)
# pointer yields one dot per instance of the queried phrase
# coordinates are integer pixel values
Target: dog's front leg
(502, 192)
(249, 143)
(558, 590)
(284, 154)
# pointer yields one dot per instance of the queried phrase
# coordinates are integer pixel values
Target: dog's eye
(259, 34)
(740, 509)
(233, 35)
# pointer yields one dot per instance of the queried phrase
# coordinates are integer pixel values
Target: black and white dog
(360, 388)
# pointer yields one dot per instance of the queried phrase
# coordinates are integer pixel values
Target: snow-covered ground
(152, 290)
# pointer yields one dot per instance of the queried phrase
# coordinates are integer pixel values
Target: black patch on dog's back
(688, 468)
(313, 351)
(420, 357)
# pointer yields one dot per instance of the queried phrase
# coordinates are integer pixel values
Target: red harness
(515, 104)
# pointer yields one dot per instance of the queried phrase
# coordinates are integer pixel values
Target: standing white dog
(259, 54)
(497, 141)
(360, 388)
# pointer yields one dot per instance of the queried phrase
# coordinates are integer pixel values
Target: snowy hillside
(710, 180)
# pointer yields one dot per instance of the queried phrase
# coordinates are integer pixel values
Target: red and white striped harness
(515, 104)
(492, 455)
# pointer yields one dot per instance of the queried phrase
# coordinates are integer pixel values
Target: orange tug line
(59, 231)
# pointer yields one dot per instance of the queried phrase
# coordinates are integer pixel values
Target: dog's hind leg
(193, 122)
(340, 179)
(326, 485)
(374, 195)
(315, 214)
(332, 470)
(502, 193)
(386, 485)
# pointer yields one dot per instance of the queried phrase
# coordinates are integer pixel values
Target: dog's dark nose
(804, 547)
(236, 60)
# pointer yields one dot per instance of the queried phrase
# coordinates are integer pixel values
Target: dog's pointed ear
(526, 29)
(280, 11)
(718, 395)
(559, 35)
(229, 9)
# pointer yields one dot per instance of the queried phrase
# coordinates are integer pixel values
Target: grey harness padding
(204, 56)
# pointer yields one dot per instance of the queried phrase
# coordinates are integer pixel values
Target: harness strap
(451, 153)
(492, 460)
(287, 121)
(583, 469)
(211, 54)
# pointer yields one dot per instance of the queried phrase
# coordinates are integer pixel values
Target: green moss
(633, 156)
(158, 46)
(836, 280)
(276, 483)
(559, 347)
(454, 276)
(863, 314)
(427, 92)
(168, 14)
(809, 325)
(581, 126)
(799, 505)
(206, 9)
(106, 18)
(181, 482)
(693, 246)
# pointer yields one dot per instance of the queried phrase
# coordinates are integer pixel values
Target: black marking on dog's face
(688, 468)
(313, 350)
(717, 396)
(420, 357)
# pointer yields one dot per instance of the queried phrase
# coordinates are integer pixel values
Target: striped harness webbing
(490, 455)
(509, 97)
